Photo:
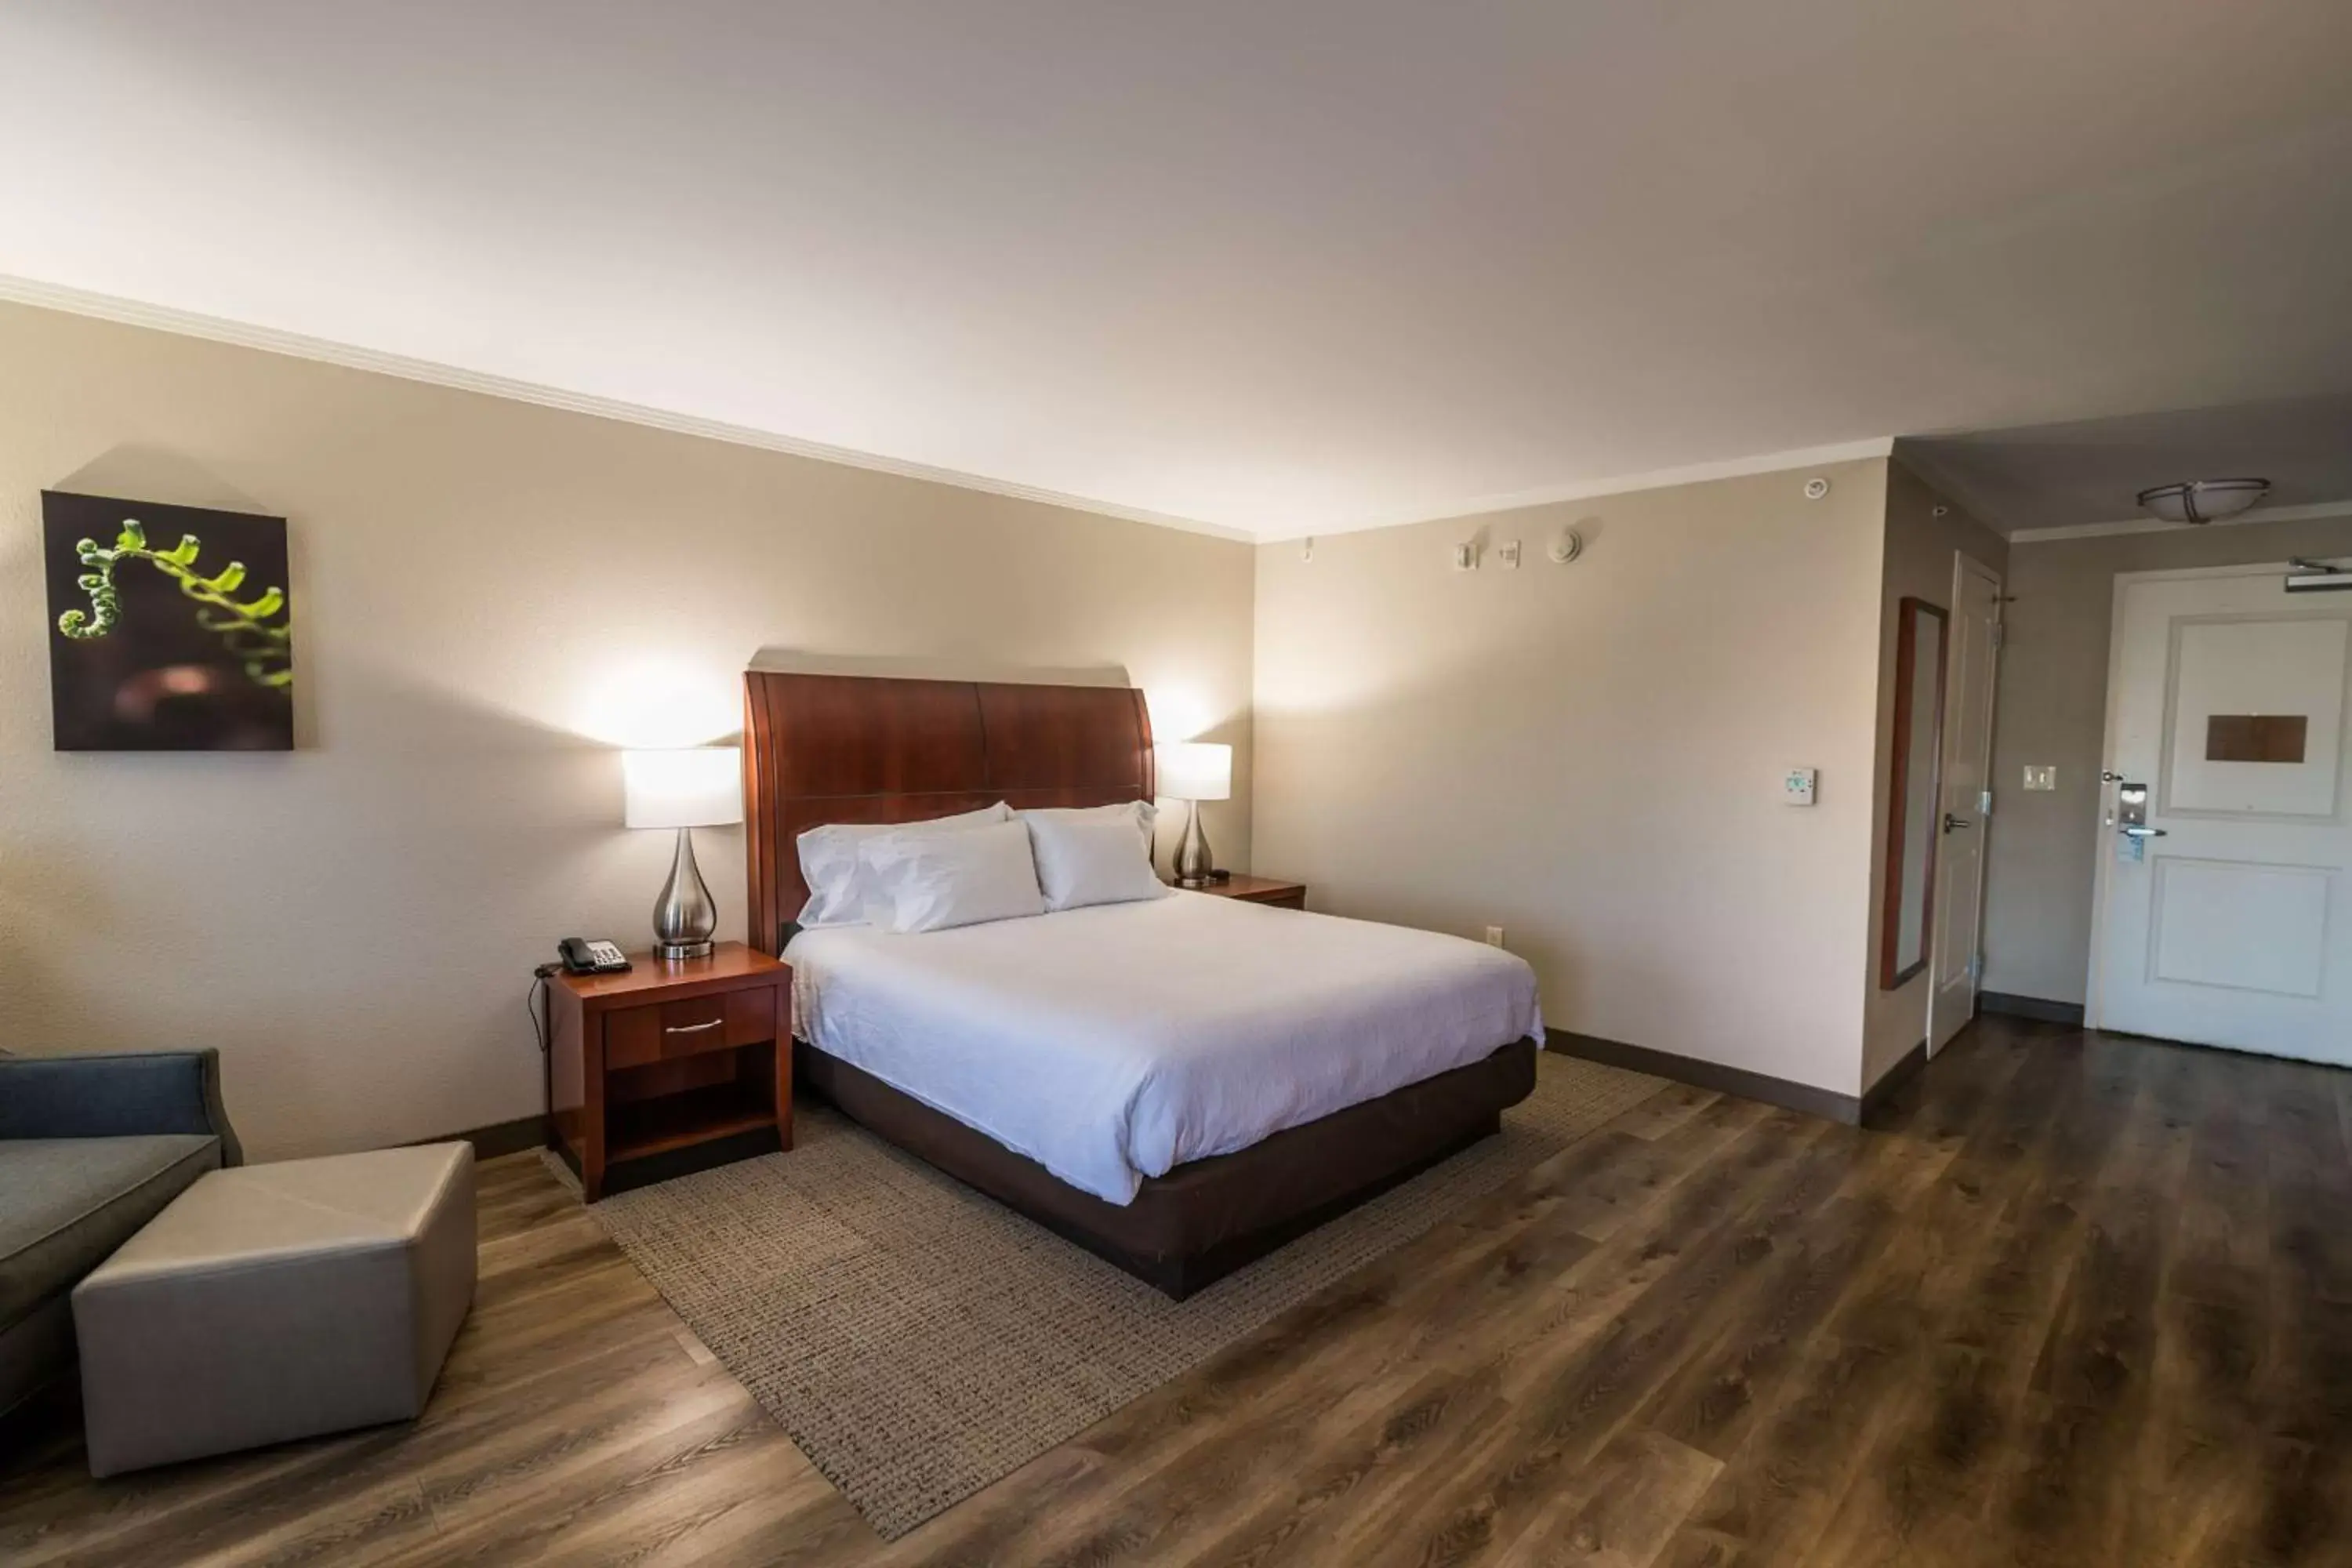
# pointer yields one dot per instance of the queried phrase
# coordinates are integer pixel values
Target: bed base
(1203, 1220)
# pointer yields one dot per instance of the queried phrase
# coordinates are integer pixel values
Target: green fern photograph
(169, 626)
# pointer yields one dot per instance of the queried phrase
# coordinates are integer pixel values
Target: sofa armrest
(116, 1096)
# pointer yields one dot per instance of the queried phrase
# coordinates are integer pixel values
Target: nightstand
(669, 1066)
(1258, 891)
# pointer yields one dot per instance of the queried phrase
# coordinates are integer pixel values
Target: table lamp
(1193, 772)
(698, 787)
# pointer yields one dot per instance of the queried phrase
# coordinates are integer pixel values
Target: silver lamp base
(1193, 862)
(684, 916)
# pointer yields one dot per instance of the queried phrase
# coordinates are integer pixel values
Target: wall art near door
(169, 628)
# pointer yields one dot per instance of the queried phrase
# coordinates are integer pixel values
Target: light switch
(1797, 788)
(2041, 776)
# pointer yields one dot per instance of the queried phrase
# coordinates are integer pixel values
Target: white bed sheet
(1116, 1042)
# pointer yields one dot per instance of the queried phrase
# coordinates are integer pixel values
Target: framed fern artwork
(169, 626)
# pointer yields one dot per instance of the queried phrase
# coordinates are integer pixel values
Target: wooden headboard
(855, 748)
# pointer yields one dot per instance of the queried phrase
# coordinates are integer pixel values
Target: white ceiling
(1281, 267)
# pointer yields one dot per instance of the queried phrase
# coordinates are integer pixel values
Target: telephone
(582, 956)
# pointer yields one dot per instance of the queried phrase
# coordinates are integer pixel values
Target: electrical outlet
(1494, 936)
(2041, 776)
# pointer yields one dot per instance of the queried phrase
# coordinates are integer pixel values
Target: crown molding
(2158, 525)
(1588, 489)
(325, 350)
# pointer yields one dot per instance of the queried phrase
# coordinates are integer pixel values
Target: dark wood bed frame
(837, 748)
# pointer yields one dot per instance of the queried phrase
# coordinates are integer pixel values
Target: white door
(1965, 793)
(2227, 920)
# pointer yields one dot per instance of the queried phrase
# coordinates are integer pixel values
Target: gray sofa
(91, 1148)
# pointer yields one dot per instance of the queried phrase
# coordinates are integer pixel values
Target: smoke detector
(2203, 501)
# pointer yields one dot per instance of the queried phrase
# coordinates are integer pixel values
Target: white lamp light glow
(1195, 770)
(702, 786)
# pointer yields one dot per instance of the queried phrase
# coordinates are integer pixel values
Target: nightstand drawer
(636, 1035)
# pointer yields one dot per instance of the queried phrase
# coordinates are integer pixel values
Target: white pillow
(1084, 859)
(829, 860)
(930, 881)
(1142, 813)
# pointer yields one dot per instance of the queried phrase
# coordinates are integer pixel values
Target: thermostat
(1797, 788)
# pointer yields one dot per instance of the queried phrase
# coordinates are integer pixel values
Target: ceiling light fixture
(2203, 501)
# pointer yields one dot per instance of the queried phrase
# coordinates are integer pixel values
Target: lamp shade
(1195, 770)
(702, 786)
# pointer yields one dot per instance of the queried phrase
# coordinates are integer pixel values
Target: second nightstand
(670, 1066)
(1259, 890)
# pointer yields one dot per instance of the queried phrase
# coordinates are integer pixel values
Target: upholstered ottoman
(277, 1301)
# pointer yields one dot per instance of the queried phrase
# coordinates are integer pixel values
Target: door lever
(1952, 823)
(2135, 831)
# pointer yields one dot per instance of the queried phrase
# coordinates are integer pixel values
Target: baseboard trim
(1789, 1095)
(1906, 1069)
(500, 1137)
(2011, 1006)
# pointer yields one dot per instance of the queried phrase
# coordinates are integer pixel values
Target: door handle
(1953, 823)
(2135, 831)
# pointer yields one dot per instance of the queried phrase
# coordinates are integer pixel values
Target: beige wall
(488, 595)
(1590, 755)
(2053, 697)
(1919, 551)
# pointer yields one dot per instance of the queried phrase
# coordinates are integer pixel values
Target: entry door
(1965, 791)
(2226, 917)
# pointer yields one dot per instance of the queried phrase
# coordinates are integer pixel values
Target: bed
(1179, 1085)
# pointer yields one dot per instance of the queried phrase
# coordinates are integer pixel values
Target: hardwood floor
(2071, 1300)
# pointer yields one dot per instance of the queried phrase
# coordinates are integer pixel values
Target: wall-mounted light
(1566, 546)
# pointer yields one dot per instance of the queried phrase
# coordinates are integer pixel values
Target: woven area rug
(919, 1341)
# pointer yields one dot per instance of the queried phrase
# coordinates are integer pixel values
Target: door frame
(1961, 563)
(2102, 854)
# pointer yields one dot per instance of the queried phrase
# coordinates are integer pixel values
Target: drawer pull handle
(692, 1028)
